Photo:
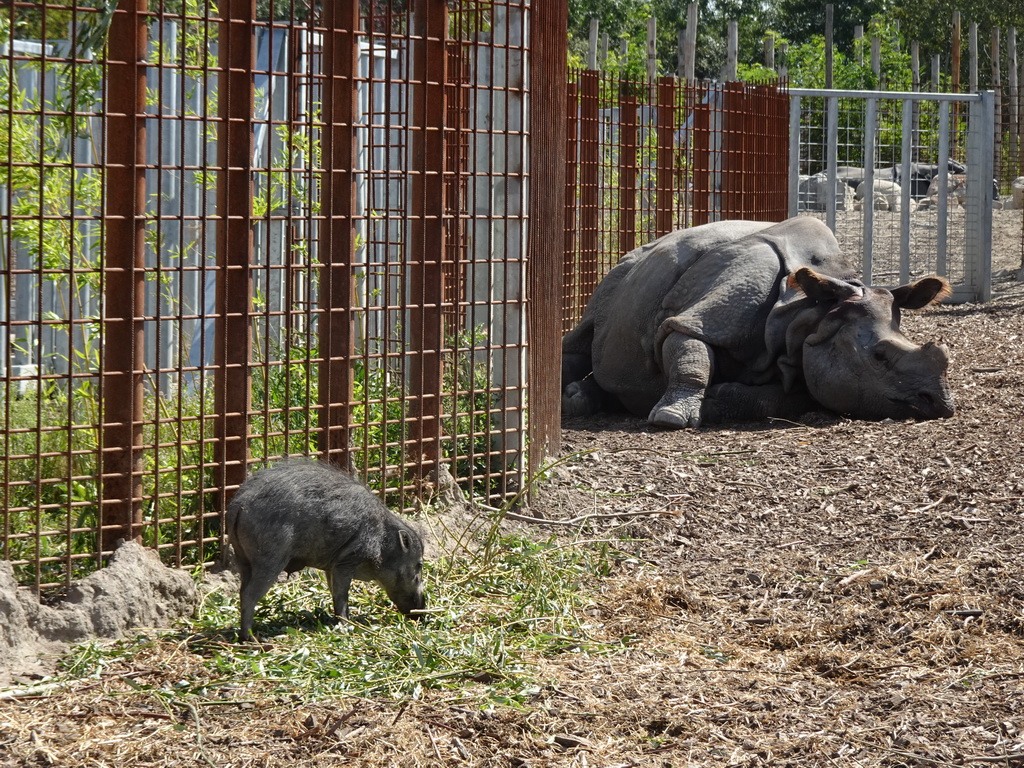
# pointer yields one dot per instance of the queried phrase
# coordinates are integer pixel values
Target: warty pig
(307, 513)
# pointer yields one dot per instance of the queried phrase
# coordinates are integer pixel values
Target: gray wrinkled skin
(300, 514)
(741, 320)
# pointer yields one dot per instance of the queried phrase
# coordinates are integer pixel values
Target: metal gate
(916, 208)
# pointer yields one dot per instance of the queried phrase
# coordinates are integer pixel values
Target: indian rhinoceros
(742, 320)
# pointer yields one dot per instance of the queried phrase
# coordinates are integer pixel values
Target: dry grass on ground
(831, 593)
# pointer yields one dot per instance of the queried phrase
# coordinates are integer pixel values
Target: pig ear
(822, 288)
(928, 290)
(404, 539)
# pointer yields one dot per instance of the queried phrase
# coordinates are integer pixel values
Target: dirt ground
(824, 593)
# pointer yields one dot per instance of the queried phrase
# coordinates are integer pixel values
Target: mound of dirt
(134, 590)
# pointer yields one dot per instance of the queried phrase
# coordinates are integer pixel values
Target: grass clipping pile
(831, 592)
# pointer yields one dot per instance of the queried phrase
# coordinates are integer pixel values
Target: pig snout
(410, 602)
(402, 576)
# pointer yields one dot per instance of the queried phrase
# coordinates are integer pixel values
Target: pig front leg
(339, 582)
(686, 362)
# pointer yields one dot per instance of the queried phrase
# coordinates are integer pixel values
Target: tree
(930, 23)
(799, 20)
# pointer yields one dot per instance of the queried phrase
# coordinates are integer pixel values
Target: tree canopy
(799, 23)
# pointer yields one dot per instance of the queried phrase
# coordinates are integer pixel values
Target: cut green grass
(492, 614)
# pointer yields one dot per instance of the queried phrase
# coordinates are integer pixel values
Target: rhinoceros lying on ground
(741, 320)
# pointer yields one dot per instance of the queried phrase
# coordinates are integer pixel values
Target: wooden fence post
(1016, 117)
(997, 87)
(732, 47)
(652, 49)
(828, 45)
(690, 51)
(955, 53)
(972, 54)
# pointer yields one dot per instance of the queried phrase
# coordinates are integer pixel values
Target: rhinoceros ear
(822, 288)
(928, 290)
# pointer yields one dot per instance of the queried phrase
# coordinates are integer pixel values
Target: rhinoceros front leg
(732, 401)
(687, 365)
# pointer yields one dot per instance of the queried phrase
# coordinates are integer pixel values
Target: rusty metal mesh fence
(238, 231)
(647, 157)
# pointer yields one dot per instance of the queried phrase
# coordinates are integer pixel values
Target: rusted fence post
(547, 222)
(233, 343)
(590, 174)
(699, 97)
(665, 178)
(124, 278)
(570, 261)
(735, 128)
(337, 239)
(426, 228)
(628, 114)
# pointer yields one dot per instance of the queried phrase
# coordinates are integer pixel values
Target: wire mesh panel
(904, 180)
(647, 157)
(234, 231)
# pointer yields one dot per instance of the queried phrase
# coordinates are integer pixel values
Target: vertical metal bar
(942, 206)
(794, 155)
(627, 170)
(906, 128)
(666, 120)
(978, 223)
(426, 241)
(832, 152)
(233, 343)
(337, 240)
(124, 279)
(547, 129)
(868, 201)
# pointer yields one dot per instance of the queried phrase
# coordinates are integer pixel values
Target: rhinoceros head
(856, 361)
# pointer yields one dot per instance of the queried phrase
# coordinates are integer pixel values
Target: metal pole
(234, 238)
(868, 201)
(794, 155)
(124, 285)
(907, 135)
(548, 122)
(337, 240)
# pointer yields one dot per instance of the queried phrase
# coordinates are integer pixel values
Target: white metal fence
(909, 212)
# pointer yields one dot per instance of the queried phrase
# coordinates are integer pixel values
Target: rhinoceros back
(627, 313)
